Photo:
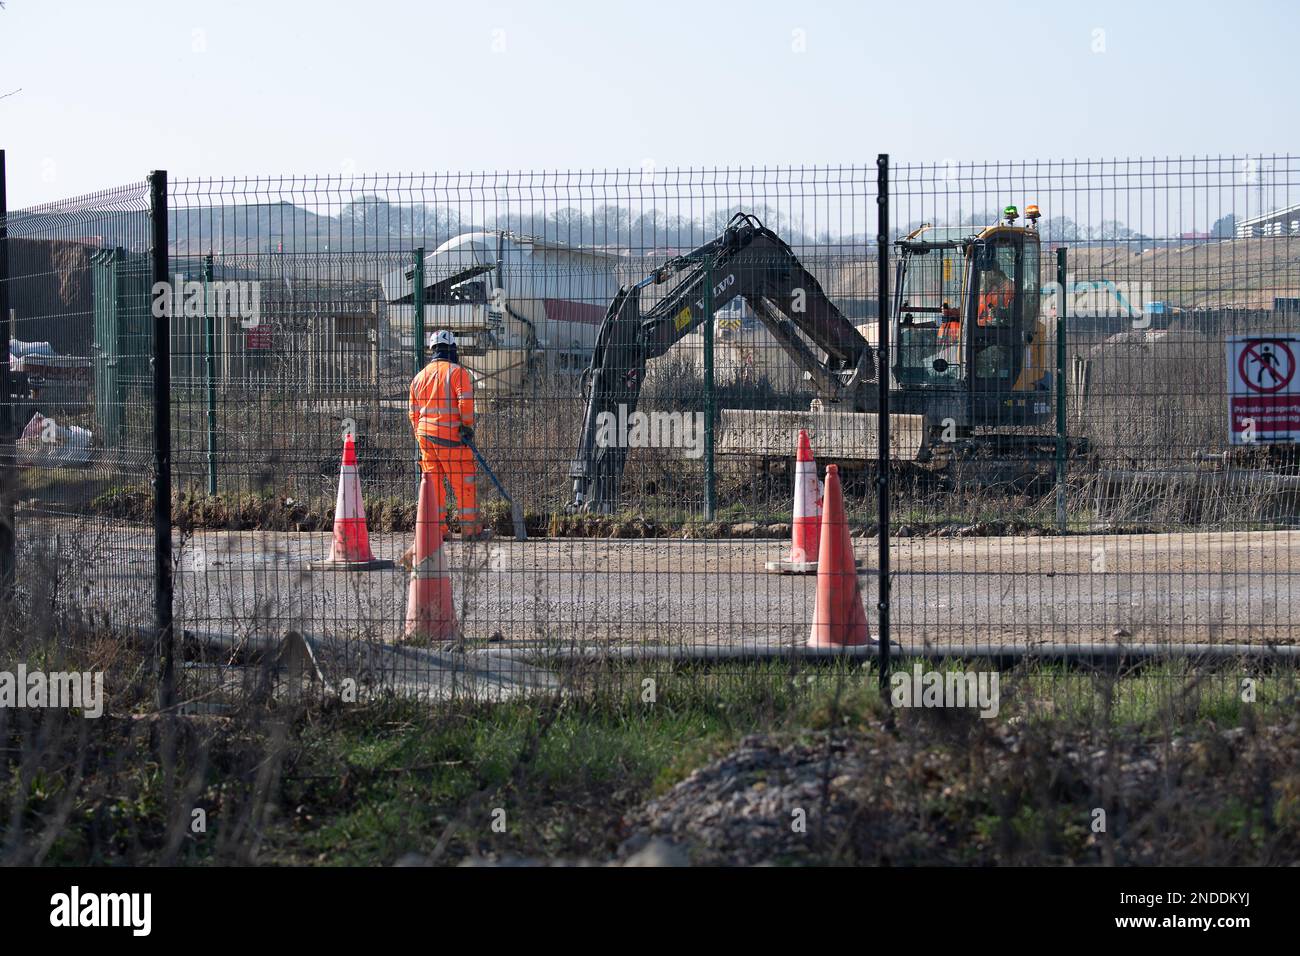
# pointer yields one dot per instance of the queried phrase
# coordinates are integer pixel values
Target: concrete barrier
(843, 435)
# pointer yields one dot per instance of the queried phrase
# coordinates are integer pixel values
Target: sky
(107, 91)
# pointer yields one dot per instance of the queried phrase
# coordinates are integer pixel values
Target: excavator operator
(999, 292)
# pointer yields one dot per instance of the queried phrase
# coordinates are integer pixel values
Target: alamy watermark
(684, 430)
(82, 690)
(74, 909)
(221, 298)
(973, 689)
(1105, 298)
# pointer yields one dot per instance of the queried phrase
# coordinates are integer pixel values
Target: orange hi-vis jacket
(442, 399)
(999, 298)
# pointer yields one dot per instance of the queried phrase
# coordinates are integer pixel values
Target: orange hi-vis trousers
(455, 464)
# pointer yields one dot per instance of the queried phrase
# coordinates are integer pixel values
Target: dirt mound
(943, 789)
(254, 512)
(759, 803)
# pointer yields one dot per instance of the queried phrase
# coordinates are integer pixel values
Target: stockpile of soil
(989, 792)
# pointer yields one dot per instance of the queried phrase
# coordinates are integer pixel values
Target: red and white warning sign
(1263, 389)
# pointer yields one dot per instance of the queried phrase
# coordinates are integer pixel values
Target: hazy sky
(110, 90)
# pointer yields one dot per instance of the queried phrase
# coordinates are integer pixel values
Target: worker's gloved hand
(466, 433)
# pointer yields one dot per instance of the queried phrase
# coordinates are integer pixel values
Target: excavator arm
(747, 261)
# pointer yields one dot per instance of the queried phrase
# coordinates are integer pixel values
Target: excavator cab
(971, 343)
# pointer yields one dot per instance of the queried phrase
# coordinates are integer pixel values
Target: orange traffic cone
(839, 619)
(351, 550)
(430, 607)
(805, 530)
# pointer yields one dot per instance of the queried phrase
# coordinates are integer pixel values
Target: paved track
(1211, 587)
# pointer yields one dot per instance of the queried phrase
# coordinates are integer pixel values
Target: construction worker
(999, 292)
(442, 418)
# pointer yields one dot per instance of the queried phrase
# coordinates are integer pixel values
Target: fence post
(710, 479)
(882, 431)
(417, 303)
(161, 365)
(209, 371)
(8, 533)
(1061, 299)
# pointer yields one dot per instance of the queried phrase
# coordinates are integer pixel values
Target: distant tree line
(372, 223)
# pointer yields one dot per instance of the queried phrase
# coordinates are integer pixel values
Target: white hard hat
(442, 337)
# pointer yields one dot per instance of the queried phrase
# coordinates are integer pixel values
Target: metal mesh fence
(1070, 467)
(522, 268)
(1179, 520)
(79, 409)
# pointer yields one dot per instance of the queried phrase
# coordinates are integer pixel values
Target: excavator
(971, 345)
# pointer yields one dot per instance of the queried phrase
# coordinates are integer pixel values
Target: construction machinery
(971, 342)
(519, 305)
(971, 350)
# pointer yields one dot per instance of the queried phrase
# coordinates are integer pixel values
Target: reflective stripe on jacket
(442, 399)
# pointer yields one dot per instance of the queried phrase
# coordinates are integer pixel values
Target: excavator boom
(748, 261)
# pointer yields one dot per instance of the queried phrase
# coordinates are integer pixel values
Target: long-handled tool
(516, 509)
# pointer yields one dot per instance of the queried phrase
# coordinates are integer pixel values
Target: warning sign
(258, 337)
(1263, 390)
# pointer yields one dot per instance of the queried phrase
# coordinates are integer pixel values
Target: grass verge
(1185, 767)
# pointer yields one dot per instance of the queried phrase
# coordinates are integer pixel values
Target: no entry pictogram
(1272, 363)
